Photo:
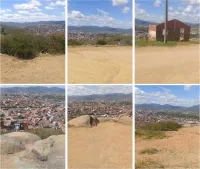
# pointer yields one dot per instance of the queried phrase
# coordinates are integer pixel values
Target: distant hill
(106, 97)
(166, 107)
(104, 29)
(25, 24)
(139, 22)
(32, 89)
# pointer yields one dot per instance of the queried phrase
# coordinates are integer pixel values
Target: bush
(149, 134)
(19, 43)
(162, 126)
(149, 151)
(101, 42)
(72, 42)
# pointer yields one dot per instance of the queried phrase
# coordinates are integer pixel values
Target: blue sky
(113, 13)
(32, 10)
(187, 95)
(154, 10)
(98, 89)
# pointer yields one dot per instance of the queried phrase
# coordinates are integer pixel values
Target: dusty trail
(180, 150)
(46, 69)
(179, 64)
(100, 65)
(109, 145)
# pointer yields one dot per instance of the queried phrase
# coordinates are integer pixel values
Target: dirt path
(180, 150)
(100, 65)
(179, 64)
(109, 145)
(45, 69)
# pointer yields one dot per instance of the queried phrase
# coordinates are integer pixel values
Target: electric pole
(166, 20)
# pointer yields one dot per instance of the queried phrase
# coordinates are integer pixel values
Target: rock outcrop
(83, 121)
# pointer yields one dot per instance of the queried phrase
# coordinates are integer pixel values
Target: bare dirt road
(100, 65)
(179, 64)
(108, 145)
(44, 69)
(181, 150)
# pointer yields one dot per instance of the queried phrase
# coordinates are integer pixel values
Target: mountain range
(105, 97)
(32, 89)
(139, 22)
(166, 107)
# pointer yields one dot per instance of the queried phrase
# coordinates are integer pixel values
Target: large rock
(24, 137)
(83, 121)
(42, 148)
(10, 145)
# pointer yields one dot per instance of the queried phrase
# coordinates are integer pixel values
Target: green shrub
(150, 134)
(162, 126)
(101, 42)
(150, 164)
(72, 42)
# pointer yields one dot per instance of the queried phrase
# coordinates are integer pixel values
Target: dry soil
(44, 69)
(181, 150)
(108, 145)
(106, 65)
(180, 64)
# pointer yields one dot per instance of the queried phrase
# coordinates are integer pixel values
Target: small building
(176, 31)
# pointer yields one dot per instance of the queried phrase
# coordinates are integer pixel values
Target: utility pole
(166, 20)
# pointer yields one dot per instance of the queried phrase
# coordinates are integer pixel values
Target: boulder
(24, 137)
(83, 121)
(42, 148)
(10, 145)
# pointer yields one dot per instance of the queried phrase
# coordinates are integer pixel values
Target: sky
(187, 95)
(112, 13)
(32, 10)
(154, 10)
(81, 90)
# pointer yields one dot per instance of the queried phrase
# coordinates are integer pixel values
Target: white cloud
(195, 2)
(23, 12)
(89, 90)
(57, 3)
(119, 2)
(157, 3)
(161, 97)
(32, 6)
(188, 9)
(103, 12)
(76, 18)
(125, 9)
(4, 10)
(49, 7)
(187, 87)
(75, 15)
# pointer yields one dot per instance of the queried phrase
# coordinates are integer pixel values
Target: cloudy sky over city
(154, 10)
(187, 95)
(32, 10)
(112, 13)
(100, 89)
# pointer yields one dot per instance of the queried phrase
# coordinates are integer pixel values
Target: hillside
(106, 97)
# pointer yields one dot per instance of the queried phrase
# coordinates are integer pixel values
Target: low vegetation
(148, 164)
(157, 130)
(24, 45)
(180, 115)
(149, 151)
(120, 40)
(143, 43)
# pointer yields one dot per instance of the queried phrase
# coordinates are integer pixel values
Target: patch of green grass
(149, 151)
(150, 134)
(148, 164)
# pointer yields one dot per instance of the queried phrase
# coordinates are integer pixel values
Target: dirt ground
(100, 65)
(179, 64)
(44, 69)
(109, 145)
(181, 150)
